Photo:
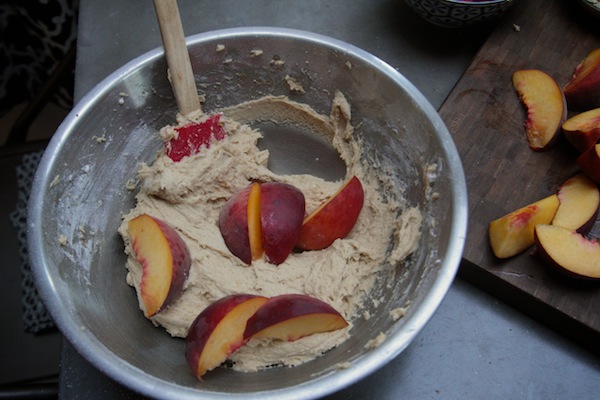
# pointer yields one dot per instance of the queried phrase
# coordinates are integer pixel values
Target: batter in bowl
(190, 193)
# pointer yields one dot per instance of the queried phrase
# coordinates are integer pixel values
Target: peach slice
(290, 317)
(281, 213)
(263, 218)
(583, 89)
(233, 224)
(513, 233)
(583, 130)
(589, 162)
(218, 331)
(165, 260)
(579, 201)
(333, 219)
(254, 225)
(546, 106)
(568, 251)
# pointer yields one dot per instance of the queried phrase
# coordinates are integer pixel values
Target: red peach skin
(233, 224)
(589, 162)
(334, 219)
(583, 90)
(282, 209)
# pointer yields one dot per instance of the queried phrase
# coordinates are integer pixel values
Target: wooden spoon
(194, 135)
(178, 58)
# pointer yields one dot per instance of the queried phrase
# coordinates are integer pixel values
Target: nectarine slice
(281, 213)
(513, 233)
(263, 218)
(583, 89)
(254, 225)
(290, 317)
(165, 261)
(579, 201)
(568, 251)
(546, 106)
(333, 219)
(583, 130)
(233, 224)
(589, 162)
(218, 331)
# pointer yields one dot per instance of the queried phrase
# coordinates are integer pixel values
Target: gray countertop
(474, 346)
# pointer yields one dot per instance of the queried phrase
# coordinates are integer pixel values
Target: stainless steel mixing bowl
(80, 193)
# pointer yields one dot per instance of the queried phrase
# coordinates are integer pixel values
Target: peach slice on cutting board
(218, 331)
(512, 233)
(589, 162)
(289, 317)
(583, 89)
(579, 202)
(583, 130)
(333, 219)
(165, 261)
(568, 251)
(546, 106)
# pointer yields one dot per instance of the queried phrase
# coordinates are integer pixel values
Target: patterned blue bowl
(459, 13)
(591, 6)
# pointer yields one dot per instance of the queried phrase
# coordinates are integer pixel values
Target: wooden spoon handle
(178, 58)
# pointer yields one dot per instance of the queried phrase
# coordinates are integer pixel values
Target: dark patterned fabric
(34, 37)
(36, 318)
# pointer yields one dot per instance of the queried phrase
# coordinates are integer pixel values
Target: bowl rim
(136, 379)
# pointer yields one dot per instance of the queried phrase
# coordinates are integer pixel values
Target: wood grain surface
(486, 119)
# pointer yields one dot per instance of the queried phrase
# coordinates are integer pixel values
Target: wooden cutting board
(486, 119)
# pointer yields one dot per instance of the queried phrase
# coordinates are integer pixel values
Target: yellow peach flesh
(305, 325)
(254, 224)
(579, 198)
(513, 233)
(156, 282)
(569, 250)
(545, 105)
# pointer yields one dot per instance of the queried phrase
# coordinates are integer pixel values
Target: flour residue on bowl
(190, 193)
